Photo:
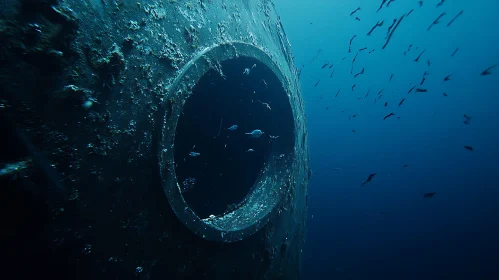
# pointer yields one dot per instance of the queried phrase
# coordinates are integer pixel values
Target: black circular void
(216, 166)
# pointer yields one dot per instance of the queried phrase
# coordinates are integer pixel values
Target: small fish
(255, 133)
(425, 74)
(393, 31)
(330, 76)
(421, 90)
(378, 24)
(406, 165)
(357, 19)
(362, 49)
(388, 4)
(371, 50)
(391, 76)
(409, 49)
(436, 21)
(389, 115)
(355, 58)
(353, 86)
(194, 154)
(467, 119)
(454, 52)
(401, 102)
(417, 58)
(386, 104)
(422, 81)
(445, 94)
(469, 148)
(250, 150)
(367, 93)
(420, 3)
(331, 66)
(358, 9)
(317, 83)
(246, 71)
(429, 195)
(429, 63)
(487, 71)
(447, 78)
(381, 6)
(441, 3)
(411, 89)
(349, 46)
(233, 127)
(390, 28)
(324, 66)
(410, 12)
(380, 91)
(360, 73)
(338, 92)
(353, 130)
(316, 55)
(454, 18)
(369, 178)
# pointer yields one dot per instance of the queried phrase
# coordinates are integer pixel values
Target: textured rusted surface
(93, 85)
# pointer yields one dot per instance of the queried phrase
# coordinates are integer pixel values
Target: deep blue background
(386, 229)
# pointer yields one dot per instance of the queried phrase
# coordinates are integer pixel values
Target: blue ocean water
(387, 229)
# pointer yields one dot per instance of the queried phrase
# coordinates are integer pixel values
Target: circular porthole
(226, 164)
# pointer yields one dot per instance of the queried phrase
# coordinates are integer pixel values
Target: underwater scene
(249, 139)
(401, 99)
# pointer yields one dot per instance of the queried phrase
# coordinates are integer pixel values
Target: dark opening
(216, 166)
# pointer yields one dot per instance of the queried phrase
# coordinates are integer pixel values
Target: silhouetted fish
(381, 6)
(378, 24)
(429, 195)
(390, 28)
(358, 9)
(467, 119)
(369, 178)
(360, 73)
(436, 21)
(417, 58)
(389, 115)
(487, 71)
(454, 18)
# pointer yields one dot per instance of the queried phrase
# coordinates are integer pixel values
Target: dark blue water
(387, 229)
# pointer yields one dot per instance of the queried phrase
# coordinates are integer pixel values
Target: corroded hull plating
(91, 96)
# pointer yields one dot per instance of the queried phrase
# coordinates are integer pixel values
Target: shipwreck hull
(128, 151)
